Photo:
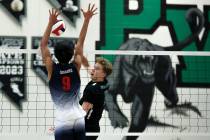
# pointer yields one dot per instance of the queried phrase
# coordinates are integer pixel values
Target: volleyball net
(28, 107)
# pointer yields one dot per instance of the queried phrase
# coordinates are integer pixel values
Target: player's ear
(104, 74)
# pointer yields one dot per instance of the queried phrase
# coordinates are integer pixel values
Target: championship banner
(15, 7)
(37, 63)
(70, 8)
(13, 70)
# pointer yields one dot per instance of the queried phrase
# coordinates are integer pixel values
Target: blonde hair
(107, 66)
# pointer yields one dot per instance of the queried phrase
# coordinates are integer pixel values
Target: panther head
(141, 66)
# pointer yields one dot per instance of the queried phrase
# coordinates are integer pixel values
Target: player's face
(97, 73)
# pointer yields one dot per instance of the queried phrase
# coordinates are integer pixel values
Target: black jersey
(64, 88)
(94, 94)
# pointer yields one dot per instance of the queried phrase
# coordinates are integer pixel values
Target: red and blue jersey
(65, 91)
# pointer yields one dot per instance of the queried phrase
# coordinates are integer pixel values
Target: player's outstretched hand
(54, 13)
(90, 12)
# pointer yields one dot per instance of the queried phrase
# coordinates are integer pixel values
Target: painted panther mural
(135, 78)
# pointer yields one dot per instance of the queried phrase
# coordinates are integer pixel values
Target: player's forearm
(83, 33)
(85, 62)
(44, 41)
(46, 35)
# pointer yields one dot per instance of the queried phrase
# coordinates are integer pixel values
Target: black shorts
(92, 128)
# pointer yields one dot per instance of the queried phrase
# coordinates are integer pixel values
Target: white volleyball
(58, 28)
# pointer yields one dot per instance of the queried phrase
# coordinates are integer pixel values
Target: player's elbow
(43, 43)
(79, 48)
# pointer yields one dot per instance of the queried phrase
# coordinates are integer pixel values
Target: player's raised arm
(53, 14)
(79, 45)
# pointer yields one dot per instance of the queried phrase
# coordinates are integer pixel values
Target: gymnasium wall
(160, 21)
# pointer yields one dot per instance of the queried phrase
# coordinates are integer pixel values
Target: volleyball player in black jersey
(64, 79)
(93, 95)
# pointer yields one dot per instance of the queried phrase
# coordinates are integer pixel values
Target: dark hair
(64, 50)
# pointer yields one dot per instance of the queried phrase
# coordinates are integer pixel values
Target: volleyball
(58, 28)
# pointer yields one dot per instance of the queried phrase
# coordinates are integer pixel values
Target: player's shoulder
(92, 87)
(103, 85)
